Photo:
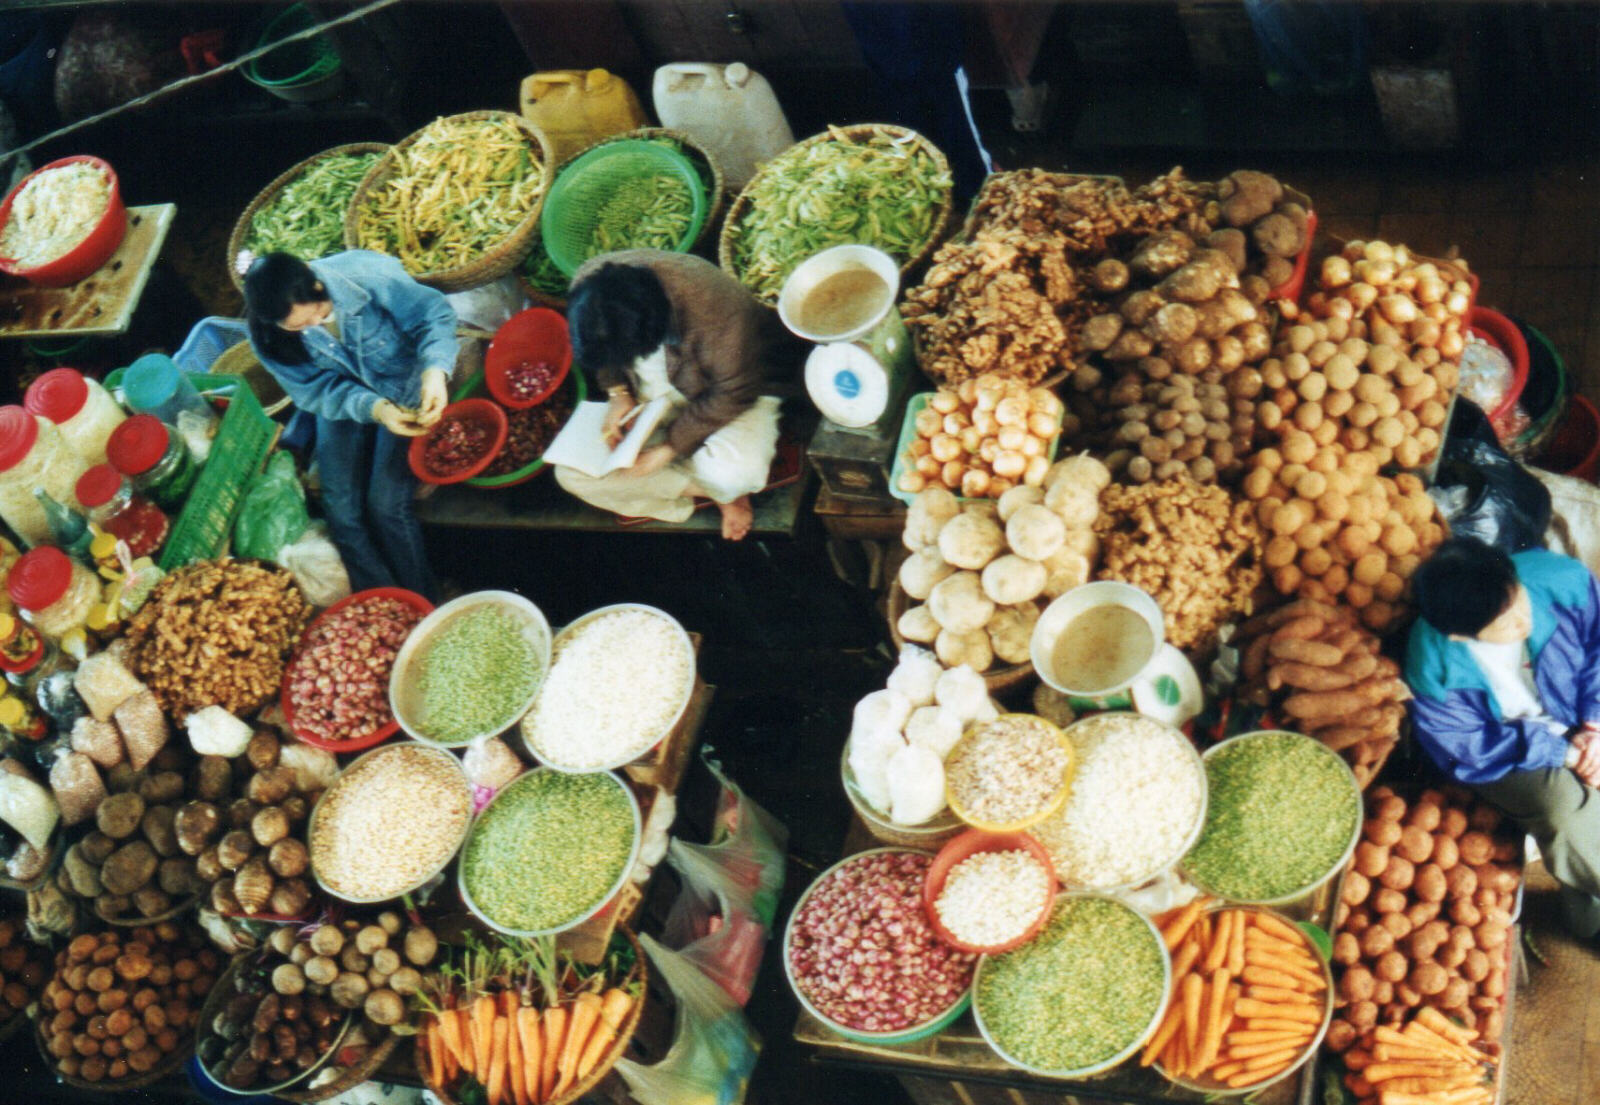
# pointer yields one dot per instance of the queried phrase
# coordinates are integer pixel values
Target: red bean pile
(530, 378)
(458, 443)
(862, 951)
(529, 433)
(339, 685)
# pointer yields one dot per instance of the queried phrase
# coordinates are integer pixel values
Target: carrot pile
(1431, 1061)
(521, 1021)
(1247, 996)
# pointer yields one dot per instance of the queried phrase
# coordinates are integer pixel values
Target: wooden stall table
(863, 535)
(102, 303)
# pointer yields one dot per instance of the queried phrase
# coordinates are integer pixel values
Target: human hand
(652, 460)
(435, 396)
(1587, 742)
(617, 408)
(397, 420)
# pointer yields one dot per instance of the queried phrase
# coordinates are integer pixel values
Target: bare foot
(736, 518)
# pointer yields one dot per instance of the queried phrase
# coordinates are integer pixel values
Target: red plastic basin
(88, 255)
(383, 732)
(1505, 335)
(538, 335)
(483, 411)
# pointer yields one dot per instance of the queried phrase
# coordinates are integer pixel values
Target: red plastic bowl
(1501, 332)
(383, 732)
(472, 410)
(88, 255)
(1291, 288)
(1575, 448)
(537, 334)
(965, 846)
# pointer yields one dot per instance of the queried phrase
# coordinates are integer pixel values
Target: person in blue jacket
(1504, 666)
(358, 343)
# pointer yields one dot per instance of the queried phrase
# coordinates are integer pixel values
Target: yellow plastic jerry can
(575, 108)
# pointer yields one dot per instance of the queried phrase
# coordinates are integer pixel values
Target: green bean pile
(306, 217)
(882, 191)
(646, 212)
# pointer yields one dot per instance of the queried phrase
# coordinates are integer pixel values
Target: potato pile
(1324, 669)
(259, 864)
(979, 570)
(1424, 916)
(132, 865)
(1340, 532)
(1181, 326)
(122, 1002)
(983, 437)
(24, 967)
(1191, 547)
(1263, 228)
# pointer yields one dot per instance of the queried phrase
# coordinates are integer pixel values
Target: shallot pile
(339, 685)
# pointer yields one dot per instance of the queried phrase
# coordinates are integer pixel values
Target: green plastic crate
(237, 454)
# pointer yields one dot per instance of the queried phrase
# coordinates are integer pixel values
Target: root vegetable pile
(1249, 995)
(1013, 295)
(1324, 669)
(259, 863)
(983, 438)
(862, 950)
(1193, 548)
(339, 683)
(1264, 227)
(980, 569)
(122, 1002)
(1424, 916)
(24, 967)
(217, 633)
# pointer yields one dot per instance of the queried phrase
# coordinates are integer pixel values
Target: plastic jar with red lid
(116, 508)
(54, 592)
(157, 461)
(81, 408)
(33, 453)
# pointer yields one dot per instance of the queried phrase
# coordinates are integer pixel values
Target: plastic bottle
(575, 108)
(728, 110)
(68, 528)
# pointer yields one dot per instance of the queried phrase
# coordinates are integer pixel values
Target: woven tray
(173, 1062)
(241, 228)
(496, 261)
(999, 678)
(741, 203)
(619, 1046)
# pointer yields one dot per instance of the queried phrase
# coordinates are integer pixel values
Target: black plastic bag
(1482, 492)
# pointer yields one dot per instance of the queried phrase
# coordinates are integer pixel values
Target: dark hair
(617, 314)
(274, 286)
(1463, 586)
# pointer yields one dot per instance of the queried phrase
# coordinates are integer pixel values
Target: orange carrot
(1193, 988)
(1236, 946)
(532, 1051)
(555, 1033)
(1222, 941)
(1266, 922)
(508, 1003)
(449, 1035)
(1182, 922)
(1169, 1028)
(1279, 994)
(1186, 957)
(1271, 1059)
(585, 1012)
(1250, 1008)
(434, 1049)
(1211, 1037)
(614, 1009)
(1265, 1037)
(516, 1086)
(1268, 1024)
(482, 1030)
(496, 1084)
(1272, 976)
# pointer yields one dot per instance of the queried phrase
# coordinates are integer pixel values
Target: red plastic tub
(1505, 335)
(1291, 288)
(535, 336)
(965, 846)
(1575, 448)
(88, 255)
(383, 732)
(482, 411)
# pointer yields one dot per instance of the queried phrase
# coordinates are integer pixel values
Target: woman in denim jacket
(358, 343)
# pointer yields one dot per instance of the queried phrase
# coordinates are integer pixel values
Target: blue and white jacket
(391, 329)
(1454, 713)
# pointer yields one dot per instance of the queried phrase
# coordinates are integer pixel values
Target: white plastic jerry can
(727, 109)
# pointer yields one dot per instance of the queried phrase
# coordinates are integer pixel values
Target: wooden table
(102, 303)
(956, 1067)
(863, 536)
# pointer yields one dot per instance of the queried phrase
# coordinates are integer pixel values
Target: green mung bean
(1086, 989)
(477, 674)
(548, 849)
(1281, 814)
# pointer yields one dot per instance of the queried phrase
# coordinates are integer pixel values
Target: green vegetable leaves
(306, 218)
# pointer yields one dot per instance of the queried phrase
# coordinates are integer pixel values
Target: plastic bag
(489, 305)
(315, 563)
(720, 919)
(1504, 504)
(713, 1050)
(272, 514)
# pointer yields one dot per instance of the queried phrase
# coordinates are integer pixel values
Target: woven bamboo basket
(350, 1077)
(168, 1065)
(1000, 678)
(241, 228)
(536, 296)
(619, 1046)
(741, 203)
(500, 258)
(241, 360)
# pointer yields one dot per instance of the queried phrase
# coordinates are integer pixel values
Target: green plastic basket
(298, 63)
(582, 191)
(237, 454)
(475, 388)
